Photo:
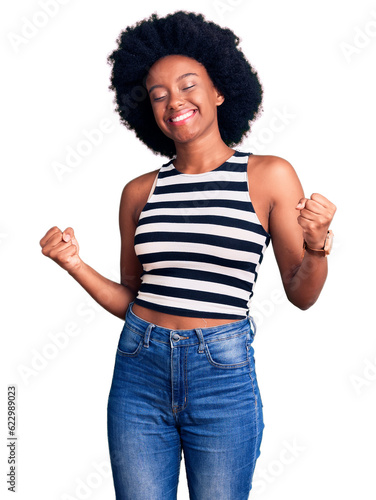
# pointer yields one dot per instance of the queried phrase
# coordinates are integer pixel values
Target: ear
(219, 98)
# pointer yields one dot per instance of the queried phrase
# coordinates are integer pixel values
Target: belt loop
(252, 323)
(147, 334)
(129, 310)
(201, 347)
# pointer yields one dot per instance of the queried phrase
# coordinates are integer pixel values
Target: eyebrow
(178, 80)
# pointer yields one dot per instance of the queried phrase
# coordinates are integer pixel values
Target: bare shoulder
(271, 166)
(137, 186)
(136, 192)
(274, 173)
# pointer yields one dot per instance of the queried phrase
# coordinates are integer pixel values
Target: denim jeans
(184, 390)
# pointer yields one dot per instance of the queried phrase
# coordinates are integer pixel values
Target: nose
(175, 100)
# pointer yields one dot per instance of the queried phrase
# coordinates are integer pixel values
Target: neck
(200, 158)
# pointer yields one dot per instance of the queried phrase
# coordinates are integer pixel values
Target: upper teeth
(182, 117)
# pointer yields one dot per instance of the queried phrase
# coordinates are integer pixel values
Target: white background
(316, 368)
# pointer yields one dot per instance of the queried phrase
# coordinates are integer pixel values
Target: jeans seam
(250, 372)
(127, 325)
(221, 365)
(253, 385)
(135, 353)
(256, 438)
(222, 339)
(132, 354)
(182, 407)
(185, 378)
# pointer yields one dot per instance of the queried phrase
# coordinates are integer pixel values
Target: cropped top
(200, 242)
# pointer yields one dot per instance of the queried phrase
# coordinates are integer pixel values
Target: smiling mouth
(183, 117)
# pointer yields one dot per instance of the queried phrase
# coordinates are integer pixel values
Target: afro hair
(188, 34)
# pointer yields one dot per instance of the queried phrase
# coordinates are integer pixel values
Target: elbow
(302, 303)
(304, 306)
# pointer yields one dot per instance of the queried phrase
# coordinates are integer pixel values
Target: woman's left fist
(316, 214)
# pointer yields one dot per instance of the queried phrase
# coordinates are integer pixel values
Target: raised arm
(63, 248)
(293, 219)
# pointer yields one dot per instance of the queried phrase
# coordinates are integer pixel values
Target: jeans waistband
(188, 337)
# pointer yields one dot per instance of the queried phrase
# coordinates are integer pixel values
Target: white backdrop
(316, 369)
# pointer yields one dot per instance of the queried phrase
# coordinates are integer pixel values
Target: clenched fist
(62, 247)
(316, 214)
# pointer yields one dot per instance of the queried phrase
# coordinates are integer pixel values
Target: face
(183, 98)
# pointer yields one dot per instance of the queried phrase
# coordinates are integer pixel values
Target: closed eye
(162, 97)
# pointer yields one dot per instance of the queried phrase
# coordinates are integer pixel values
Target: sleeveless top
(200, 242)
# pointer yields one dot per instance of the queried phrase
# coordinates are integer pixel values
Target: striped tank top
(200, 242)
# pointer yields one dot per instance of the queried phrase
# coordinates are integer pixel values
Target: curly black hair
(188, 34)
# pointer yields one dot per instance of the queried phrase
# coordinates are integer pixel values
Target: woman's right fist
(62, 247)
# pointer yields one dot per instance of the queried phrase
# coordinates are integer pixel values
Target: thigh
(222, 430)
(144, 445)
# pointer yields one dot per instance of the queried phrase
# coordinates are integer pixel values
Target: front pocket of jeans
(227, 353)
(130, 342)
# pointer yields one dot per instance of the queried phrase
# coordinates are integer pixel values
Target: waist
(173, 322)
(189, 335)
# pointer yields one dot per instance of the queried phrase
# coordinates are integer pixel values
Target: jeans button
(175, 336)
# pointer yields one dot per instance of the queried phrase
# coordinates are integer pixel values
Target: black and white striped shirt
(200, 242)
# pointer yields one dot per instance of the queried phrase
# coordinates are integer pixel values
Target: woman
(192, 242)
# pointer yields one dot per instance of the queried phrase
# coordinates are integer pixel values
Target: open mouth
(182, 118)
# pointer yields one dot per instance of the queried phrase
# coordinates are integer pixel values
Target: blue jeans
(187, 390)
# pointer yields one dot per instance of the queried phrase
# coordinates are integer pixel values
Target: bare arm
(303, 278)
(113, 296)
(63, 248)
